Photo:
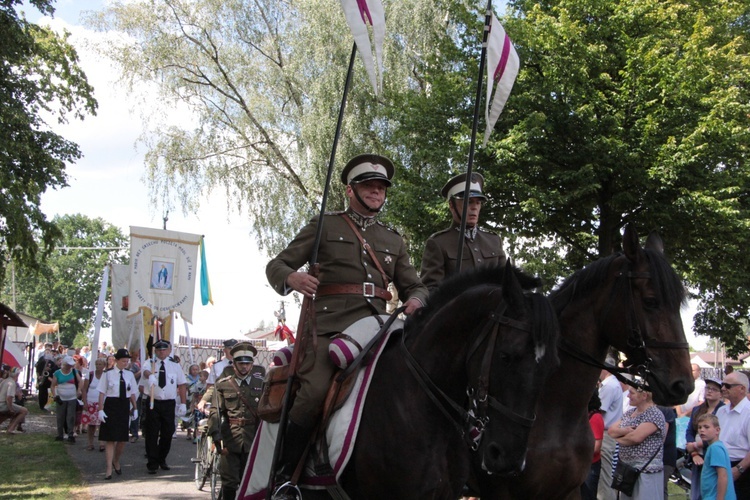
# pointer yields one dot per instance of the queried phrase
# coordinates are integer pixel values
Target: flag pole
(472, 147)
(307, 301)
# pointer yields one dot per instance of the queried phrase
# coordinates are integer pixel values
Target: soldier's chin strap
(362, 202)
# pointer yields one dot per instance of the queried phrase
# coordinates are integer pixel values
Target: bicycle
(207, 462)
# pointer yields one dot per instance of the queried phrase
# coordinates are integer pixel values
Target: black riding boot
(228, 493)
(295, 442)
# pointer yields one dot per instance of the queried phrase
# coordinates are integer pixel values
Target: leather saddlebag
(274, 387)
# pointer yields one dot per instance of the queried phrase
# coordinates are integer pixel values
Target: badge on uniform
(388, 259)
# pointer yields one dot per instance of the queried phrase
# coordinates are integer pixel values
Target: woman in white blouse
(91, 401)
(117, 389)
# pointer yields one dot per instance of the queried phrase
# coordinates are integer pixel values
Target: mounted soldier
(236, 395)
(481, 248)
(358, 258)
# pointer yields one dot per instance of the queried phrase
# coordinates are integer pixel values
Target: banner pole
(472, 147)
(307, 301)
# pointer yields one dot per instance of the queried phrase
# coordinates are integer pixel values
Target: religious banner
(163, 272)
(126, 329)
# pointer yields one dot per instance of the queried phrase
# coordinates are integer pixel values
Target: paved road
(135, 482)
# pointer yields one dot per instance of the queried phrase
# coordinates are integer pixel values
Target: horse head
(652, 338)
(507, 368)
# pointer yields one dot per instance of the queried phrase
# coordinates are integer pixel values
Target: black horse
(630, 301)
(462, 382)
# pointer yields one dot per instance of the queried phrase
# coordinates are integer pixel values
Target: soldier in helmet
(358, 256)
(481, 248)
(236, 393)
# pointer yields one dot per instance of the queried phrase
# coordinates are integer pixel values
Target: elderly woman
(90, 416)
(66, 389)
(640, 433)
(117, 389)
(7, 394)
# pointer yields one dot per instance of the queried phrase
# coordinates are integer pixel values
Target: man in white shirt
(696, 397)
(169, 386)
(610, 395)
(734, 420)
(215, 372)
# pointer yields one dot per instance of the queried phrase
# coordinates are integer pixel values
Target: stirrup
(287, 491)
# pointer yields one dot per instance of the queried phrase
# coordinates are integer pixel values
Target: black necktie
(122, 386)
(162, 376)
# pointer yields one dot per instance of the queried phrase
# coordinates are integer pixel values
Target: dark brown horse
(630, 301)
(474, 359)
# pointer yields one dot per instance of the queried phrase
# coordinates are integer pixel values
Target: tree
(39, 76)
(66, 287)
(622, 112)
(262, 81)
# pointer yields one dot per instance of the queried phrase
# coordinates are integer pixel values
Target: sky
(107, 183)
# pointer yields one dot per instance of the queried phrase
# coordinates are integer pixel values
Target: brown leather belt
(242, 422)
(364, 289)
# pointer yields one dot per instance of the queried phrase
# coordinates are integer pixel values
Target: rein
(471, 423)
(636, 339)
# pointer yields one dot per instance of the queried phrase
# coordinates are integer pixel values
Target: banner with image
(163, 271)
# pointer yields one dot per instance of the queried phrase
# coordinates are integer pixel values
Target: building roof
(8, 317)
(715, 358)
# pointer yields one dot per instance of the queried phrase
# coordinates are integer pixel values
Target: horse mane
(667, 284)
(546, 328)
(455, 285)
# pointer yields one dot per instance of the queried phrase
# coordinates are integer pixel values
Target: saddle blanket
(341, 433)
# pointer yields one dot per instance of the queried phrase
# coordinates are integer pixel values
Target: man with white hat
(359, 257)
(481, 248)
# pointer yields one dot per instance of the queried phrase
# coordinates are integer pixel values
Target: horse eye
(651, 303)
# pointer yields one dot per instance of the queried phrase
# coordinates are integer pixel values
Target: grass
(37, 466)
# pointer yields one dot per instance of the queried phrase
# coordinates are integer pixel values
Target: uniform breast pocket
(231, 400)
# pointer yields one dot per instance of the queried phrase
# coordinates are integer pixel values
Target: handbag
(625, 475)
(272, 398)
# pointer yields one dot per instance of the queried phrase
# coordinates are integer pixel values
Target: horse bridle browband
(636, 339)
(472, 422)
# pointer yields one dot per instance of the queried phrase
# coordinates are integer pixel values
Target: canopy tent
(8, 317)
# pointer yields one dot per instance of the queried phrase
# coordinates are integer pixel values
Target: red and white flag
(502, 69)
(360, 13)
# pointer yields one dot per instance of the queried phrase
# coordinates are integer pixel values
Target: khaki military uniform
(441, 254)
(238, 422)
(343, 261)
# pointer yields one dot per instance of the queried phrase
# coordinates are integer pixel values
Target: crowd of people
(629, 427)
(114, 400)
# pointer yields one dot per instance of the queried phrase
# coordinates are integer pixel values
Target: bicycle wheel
(215, 478)
(200, 459)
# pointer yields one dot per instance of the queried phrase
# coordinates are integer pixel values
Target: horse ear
(654, 242)
(630, 243)
(512, 291)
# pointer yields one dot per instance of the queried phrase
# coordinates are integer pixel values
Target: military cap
(230, 343)
(455, 187)
(367, 167)
(122, 353)
(243, 351)
(162, 344)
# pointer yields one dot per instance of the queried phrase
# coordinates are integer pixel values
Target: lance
(308, 302)
(467, 187)
(157, 337)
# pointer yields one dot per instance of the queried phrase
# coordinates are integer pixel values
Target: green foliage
(39, 76)
(66, 287)
(622, 112)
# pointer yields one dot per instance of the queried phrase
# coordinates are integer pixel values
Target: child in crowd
(195, 399)
(196, 388)
(716, 476)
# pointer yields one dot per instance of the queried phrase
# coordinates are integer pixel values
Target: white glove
(153, 380)
(102, 416)
(135, 415)
(181, 410)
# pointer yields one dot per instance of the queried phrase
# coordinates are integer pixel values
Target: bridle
(636, 342)
(472, 422)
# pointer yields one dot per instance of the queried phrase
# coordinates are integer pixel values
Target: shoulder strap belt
(368, 249)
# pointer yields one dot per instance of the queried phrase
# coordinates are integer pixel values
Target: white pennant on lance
(502, 69)
(360, 13)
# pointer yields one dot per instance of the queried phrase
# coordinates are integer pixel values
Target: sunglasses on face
(728, 386)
